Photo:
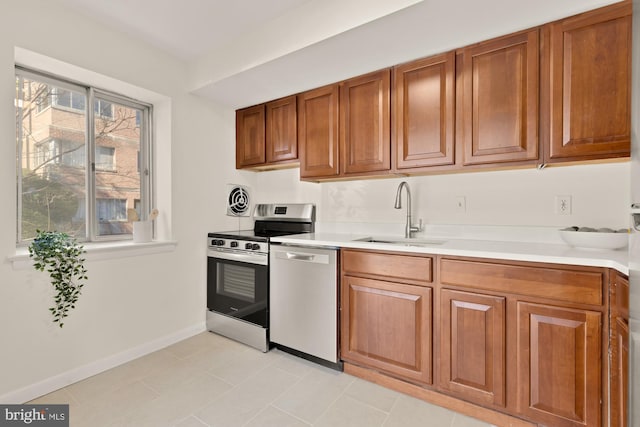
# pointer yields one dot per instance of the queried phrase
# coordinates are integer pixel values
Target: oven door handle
(250, 258)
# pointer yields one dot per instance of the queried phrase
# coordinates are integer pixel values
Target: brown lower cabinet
(619, 349)
(559, 354)
(386, 321)
(472, 346)
(521, 340)
(388, 326)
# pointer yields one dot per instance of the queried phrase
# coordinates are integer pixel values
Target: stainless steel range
(238, 272)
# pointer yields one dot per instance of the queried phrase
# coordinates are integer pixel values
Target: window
(103, 108)
(105, 158)
(112, 210)
(69, 99)
(41, 97)
(68, 179)
(60, 153)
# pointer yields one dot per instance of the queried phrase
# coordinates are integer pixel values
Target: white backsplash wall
(524, 197)
(284, 186)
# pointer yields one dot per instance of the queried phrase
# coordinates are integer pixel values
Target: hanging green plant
(61, 255)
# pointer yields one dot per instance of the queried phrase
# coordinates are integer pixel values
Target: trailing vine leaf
(61, 256)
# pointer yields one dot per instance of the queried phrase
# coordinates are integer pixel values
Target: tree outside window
(56, 148)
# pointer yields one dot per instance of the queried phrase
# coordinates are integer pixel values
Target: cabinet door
(424, 99)
(499, 84)
(387, 326)
(620, 375)
(318, 132)
(589, 84)
(559, 365)
(250, 136)
(281, 130)
(619, 345)
(472, 346)
(365, 137)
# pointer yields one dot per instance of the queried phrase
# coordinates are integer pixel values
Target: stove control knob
(255, 247)
(219, 242)
(247, 246)
(234, 244)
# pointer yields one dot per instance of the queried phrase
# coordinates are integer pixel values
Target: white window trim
(161, 132)
(96, 251)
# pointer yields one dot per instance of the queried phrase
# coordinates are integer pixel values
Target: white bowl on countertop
(595, 239)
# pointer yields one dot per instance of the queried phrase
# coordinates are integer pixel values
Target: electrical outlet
(563, 205)
(461, 204)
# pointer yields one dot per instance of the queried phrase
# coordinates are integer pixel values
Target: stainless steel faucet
(409, 229)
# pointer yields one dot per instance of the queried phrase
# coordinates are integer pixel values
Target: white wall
(128, 302)
(600, 196)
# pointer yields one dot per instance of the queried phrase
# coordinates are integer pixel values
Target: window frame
(93, 94)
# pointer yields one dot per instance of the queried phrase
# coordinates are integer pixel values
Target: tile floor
(208, 380)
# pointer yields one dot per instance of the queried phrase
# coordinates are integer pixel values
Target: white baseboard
(64, 379)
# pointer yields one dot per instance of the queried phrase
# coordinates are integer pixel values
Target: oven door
(238, 286)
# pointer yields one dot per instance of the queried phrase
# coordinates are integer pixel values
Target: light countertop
(553, 252)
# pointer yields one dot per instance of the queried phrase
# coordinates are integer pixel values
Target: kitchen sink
(402, 242)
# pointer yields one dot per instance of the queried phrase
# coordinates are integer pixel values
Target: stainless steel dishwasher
(303, 302)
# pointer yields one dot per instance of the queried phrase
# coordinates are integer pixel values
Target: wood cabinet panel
(424, 112)
(281, 130)
(499, 99)
(413, 269)
(589, 84)
(318, 118)
(473, 346)
(365, 136)
(584, 286)
(619, 350)
(559, 365)
(619, 404)
(250, 136)
(387, 326)
(620, 296)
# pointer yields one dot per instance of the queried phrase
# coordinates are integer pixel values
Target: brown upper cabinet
(498, 100)
(587, 87)
(424, 112)
(318, 132)
(365, 136)
(557, 93)
(250, 137)
(266, 135)
(344, 129)
(282, 138)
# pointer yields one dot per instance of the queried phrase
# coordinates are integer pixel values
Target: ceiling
(243, 52)
(184, 28)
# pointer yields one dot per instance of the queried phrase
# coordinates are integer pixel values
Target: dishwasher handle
(302, 256)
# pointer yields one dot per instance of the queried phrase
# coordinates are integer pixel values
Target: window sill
(102, 251)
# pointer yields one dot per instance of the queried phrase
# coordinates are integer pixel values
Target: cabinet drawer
(577, 286)
(402, 268)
